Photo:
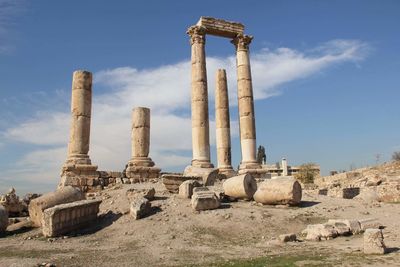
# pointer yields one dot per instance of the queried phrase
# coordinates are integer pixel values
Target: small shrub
(307, 173)
(396, 156)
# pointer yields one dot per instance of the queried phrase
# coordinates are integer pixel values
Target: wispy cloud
(166, 90)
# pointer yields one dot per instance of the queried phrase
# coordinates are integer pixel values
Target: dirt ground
(238, 234)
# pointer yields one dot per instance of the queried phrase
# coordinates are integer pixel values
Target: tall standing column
(200, 121)
(245, 103)
(78, 170)
(81, 105)
(141, 167)
(223, 135)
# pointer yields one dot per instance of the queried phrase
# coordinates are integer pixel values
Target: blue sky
(325, 77)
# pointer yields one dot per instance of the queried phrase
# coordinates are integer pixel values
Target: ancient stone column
(222, 120)
(81, 106)
(141, 135)
(141, 167)
(284, 167)
(200, 121)
(246, 104)
(78, 170)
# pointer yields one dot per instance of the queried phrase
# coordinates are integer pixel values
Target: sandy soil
(237, 234)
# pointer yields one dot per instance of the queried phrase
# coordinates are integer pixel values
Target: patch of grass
(273, 261)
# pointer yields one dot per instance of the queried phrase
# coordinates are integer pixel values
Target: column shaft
(81, 104)
(222, 120)
(245, 102)
(140, 132)
(200, 121)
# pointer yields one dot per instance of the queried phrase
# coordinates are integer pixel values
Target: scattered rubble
(186, 188)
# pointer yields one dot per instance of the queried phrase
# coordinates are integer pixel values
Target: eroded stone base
(227, 172)
(142, 169)
(84, 176)
(202, 164)
(208, 175)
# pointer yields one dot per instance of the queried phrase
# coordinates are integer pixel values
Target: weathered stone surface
(354, 226)
(369, 223)
(288, 238)
(220, 27)
(61, 196)
(3, 219)
(208, 175)
(186, 188)
(373, 242)
(279, 191)
(140, 208)
(64, 218)
(204, 200)
(240, 187)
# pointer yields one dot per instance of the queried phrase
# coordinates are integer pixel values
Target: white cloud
(166, 90)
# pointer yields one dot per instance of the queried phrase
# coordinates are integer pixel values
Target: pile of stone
(380, 183)
(337, 227)
(13, 205)
(63, 211)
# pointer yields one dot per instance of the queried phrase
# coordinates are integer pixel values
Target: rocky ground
(240, 233)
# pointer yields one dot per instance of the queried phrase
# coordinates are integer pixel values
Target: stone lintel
(220, 27)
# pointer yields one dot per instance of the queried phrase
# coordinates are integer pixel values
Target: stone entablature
(220, 27)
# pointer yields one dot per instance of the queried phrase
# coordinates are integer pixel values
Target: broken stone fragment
(354, 226)
(288, 238)
(62, 195)
(186, 188)
(64, 218)
(317, 232)
(140, 208)
(285, 190)
(204, 200)
(3, 219)
(240, 187)
(373, 242)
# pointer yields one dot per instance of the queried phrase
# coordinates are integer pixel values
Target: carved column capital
(197, 34)
(242, 41)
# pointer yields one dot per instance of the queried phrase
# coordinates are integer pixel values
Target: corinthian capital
(197, 34)
(242, 41)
